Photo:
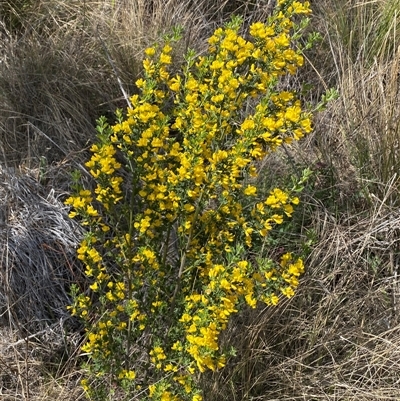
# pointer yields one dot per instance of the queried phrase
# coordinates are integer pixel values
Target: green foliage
(328, 96)
(176, 213)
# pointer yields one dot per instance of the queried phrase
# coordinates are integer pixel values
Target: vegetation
(172, 225)
(64, 64)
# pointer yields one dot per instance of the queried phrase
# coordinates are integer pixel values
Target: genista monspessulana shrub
(176, 209)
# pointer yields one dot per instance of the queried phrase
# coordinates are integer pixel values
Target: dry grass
(38, 243)
(339, 338)
(40, 367)
(67, 62)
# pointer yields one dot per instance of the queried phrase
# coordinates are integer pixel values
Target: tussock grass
(360, 31)
(38, 262)
(359, 135)
(62, 65)
(369, 107)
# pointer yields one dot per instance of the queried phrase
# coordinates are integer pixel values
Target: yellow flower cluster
(207, 314)
(177, 208)
(157, 355)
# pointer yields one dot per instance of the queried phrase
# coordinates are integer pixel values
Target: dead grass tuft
(38, 243)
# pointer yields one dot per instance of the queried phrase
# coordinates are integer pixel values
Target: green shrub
(176, 211)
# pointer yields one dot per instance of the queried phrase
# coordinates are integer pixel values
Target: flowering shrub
(176, 210)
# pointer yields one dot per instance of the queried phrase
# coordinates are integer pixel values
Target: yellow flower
(148, 66)
(287, 291)
(252, 302)
(150, 51)
(293, 114)
(165, 58)
(130, 375)
(247, 124)
(250, 190)
(300, 8)
(166, 396)
(174, 84)
(296, 268)
(167, 48)
(85, 384)
(189, 208)
(274, 299)
(277, 218)
(152, 390)
(217, 65)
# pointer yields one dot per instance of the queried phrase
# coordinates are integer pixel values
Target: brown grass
(40, 367)
(63, 65)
